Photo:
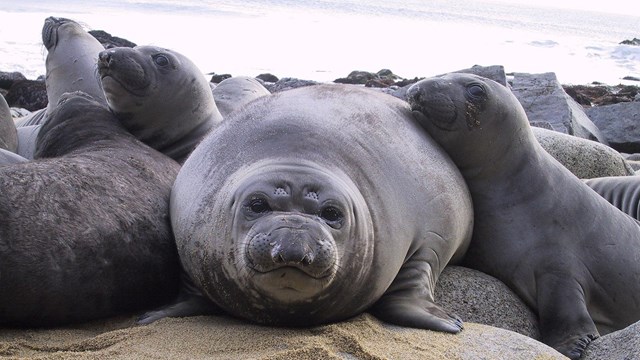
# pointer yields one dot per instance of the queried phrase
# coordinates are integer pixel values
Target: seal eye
(161, 60)
(332, 215)
(476, 91)
(259, 206)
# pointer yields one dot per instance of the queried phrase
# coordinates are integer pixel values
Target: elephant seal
(8, 132)
(7, 157)
(315, 204)
(70, 65)
(568, 253)
(622, 192)
(160, 96)
(233, 93)
(84, 228)
(27, 136)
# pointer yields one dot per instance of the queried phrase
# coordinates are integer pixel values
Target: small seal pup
(315, 204)
(233, 93)
(568, 253)
(84, 228)
(70, 65)
(160, 96)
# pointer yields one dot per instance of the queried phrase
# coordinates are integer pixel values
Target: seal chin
(289, 284)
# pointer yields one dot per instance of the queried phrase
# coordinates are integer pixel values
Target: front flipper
(417, 313)
(190, 302)
(565, 323)
(409, 299)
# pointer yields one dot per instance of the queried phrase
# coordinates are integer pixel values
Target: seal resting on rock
(622, 192)
(568, 253)
(315, 204)
(70, 65)
(160, 96)
(84, 229)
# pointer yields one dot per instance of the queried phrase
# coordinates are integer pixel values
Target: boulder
(493, 72)
(544, 100)
(586, 159)
(619, 125)
(7, 79)
(357, 78)
(288, 84)
(479, 298)
(267, 77)
(623, 344)
(109, 41)
(28, 94)
(218, 78)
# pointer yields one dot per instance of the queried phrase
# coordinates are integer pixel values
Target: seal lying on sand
(568, 253)
(160, 96)
(85, 232)
(72, 54)
(313, 205)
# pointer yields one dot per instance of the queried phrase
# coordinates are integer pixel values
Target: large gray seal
(568, 253)
(160, 96)
(313, 205)
(84, 229)
(70, 65)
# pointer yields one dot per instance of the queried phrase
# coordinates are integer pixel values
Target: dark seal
(84, 228)
(568, 253)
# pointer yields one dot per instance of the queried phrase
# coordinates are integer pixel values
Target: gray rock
(493, 72)
(288, 84)
(619, 125)
(28, 94)
(586, 159)
(8, 78)
(544, 99)
(480, 298)
(619, 345)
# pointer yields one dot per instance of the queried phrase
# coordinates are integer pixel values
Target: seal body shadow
(84, 228)
(316, 204)
(568, 253)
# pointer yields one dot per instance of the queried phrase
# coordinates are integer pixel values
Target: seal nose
(292, 250)
(105, 58)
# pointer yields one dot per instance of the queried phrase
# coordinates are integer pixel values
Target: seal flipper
(189, 302)
(565, 323)
(409, 299)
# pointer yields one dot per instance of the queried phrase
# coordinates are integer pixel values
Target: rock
(270, 78)
(543, 99)
(493, 72)
(631, 78)
(480, 298)
(109, 41)
(619, 345)
(586, 159)
(288, 84)
(217, 78)
(601, 94)
(357, 78)
(28, 94)
(635, 42)
(619, 125)
(7, 79)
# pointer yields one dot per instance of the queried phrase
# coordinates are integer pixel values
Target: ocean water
(324, 40)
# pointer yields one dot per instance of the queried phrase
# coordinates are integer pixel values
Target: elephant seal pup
(70, 65)
(233, 93)
(315, 204)
(622, 192)
(8, 132)
(84, 228)
(160, 96)
(568, 253)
